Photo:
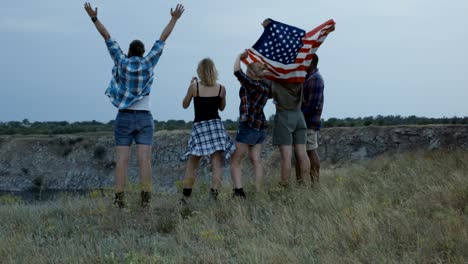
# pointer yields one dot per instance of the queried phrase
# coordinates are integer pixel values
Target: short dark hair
(137, 48)
(315, 59)
(313, 63)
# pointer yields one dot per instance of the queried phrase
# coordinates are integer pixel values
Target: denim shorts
(129, 126)
(249, 136)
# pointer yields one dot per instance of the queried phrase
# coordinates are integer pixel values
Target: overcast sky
(400, 57)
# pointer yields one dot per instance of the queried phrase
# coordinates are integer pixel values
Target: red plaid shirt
(253, 95)
(313, 99)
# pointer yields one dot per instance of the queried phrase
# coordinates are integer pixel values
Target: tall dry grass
(411, 208)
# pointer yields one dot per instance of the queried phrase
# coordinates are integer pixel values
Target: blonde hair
(207, 72)
(256, 68)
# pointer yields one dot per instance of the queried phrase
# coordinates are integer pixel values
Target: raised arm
(237, 66)
(245, 80)
(189, 95)
(175, 15)
(99, 26)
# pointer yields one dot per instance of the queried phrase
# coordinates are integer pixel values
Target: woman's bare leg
(254, 156)
(236, 168)
(191, 171)
(217, 168)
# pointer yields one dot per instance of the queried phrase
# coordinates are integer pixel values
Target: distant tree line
(63, 127)
(392, 120)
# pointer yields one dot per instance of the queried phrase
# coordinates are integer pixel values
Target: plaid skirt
(208, 137)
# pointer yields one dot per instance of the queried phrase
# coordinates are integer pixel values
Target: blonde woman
(209, 137)
(254, 93)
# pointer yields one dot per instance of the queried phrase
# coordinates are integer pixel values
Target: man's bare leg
(144, 162)
(297, 166)
(302, 159)
(123, 155)
(285, 153)
(314, 165)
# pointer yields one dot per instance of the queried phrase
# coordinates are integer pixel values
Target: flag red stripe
(253, 58)
(288, 80)
(314, 43)
(308, 57)
(280, 70)
(317, 29)
(306, 50)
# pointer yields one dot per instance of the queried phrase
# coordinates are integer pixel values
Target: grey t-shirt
(287, 96)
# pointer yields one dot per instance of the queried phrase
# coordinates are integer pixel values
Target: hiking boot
(119, 200)
(214, 194)
(186, 192)
(238, 193)
(145, 199)
(183, 201)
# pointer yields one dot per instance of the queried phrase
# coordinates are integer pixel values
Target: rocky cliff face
(87, 161)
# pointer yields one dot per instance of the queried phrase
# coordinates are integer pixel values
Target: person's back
(133, 73)
(287, 96)
(134, 70)
(207, 102)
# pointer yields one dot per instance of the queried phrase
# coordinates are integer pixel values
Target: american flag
(287, 51)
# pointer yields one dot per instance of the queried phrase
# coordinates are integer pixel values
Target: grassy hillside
(411, 208)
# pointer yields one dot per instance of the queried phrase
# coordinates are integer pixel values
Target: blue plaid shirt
(132, 77)
(312, 103)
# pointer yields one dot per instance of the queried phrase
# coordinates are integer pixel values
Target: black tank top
(206, 108)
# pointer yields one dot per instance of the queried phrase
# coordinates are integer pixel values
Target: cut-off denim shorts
(132, 125)
(250, 136)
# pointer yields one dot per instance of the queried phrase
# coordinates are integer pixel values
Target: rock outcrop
(86, 161)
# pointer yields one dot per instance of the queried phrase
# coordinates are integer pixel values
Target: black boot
(238, 193)
(145, 199)
(187, 193)
(214, 194)
(119, 199)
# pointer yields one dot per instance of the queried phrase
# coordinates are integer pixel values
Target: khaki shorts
(312, 142)
(289, 128)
